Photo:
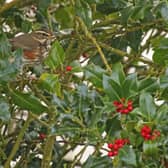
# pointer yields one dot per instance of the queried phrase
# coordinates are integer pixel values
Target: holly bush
(103, 85)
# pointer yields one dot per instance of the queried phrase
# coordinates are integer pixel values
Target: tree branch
(89, 36)
(9, 5)
(17, 143)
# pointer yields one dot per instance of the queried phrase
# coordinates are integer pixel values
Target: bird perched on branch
(34, 45)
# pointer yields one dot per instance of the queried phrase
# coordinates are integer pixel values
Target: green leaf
(127, 156)
(8, 69)
(51, 83)
(110, 6)
(76, 66)
(27, 101)
(150, 148)
(113, 127)
(147, 106)
(94, 74)
(65, 16)
(134, 39)
(148, 85)
(126, 14)
(98, 162)
(43, 6)
(118, 73)
(56, 56)
(130, 85)
(83, 10)
(164, 81)
(160, 45)
(4, 111)
(160, 56)
(112, 88)
(162, 114)
(164, 11)
(26, 26)
(140, 12)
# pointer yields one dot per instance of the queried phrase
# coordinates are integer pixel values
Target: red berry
(129, 108)
(68, 68)
(120, 105)
(126, 141)
(125, 111)
(147, 137)
(119, 110)
(116, 103)
(110, 154)
(120, 145)
(129, 103)
(153, 137)
(42, 136)
(118, 141)
(110, 145)
(156, 132)
(146, 129)
(115, 147)
(143, 134)
(115, 153)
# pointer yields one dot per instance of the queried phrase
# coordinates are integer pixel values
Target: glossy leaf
(160, 56)
(164, 11)
(134, 39)
(150, 148)
(118, 73)
(112, 88)
(163, 81)
(147, 106)
(113, 127)
(130, 85)
(56, 56)
(8, 69)
(148, 85)
(127, 156)
(76, 66)
(51, 83)
(83, 10)
(65, 16)
(27, 101)
(94, 74)
(111, 6)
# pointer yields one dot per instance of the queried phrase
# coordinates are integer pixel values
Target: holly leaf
(27, 101)
(56, 56)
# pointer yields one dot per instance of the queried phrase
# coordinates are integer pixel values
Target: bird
(34, 44)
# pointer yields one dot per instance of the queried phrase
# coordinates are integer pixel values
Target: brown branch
(9, 5)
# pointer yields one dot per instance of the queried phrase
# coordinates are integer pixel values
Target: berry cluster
(114, 147)
(148, 134)
(123, 106)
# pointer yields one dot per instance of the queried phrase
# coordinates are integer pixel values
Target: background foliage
(46, 111)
